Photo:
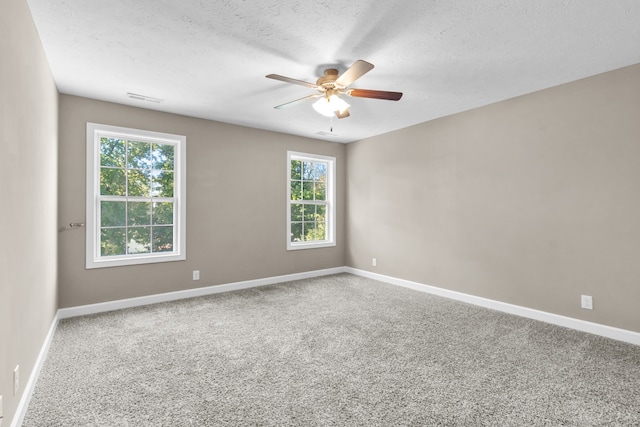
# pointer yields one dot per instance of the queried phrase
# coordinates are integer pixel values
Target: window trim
(93, 258)
(331, 201)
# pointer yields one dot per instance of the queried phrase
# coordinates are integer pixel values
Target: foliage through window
(311, 207)
(134, 182)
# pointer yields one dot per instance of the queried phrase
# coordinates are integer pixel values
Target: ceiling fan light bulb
(323, 107)
(338, 104)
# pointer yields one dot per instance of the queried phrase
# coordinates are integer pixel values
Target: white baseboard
(567, 322)
(82, 310)
(21, 410)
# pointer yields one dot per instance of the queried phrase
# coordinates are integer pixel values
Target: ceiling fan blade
(342, 114)
(377, 94)
(353, 73)
(290, 80)
(292, 103)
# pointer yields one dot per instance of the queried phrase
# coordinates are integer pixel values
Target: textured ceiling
(208, 58)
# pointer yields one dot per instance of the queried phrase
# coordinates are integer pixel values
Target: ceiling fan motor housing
(327, 83)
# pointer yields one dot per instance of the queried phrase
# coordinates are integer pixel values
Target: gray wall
(236, 211)
(531, 201)
(28, 174)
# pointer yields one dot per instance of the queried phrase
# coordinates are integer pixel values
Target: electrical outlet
(586, 302)
(16, 380)
(196, 274)
(374, 262)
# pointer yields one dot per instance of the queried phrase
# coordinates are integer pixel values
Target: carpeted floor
(337, 350)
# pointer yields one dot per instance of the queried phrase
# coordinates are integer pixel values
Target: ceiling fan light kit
(331, 106)
(331, 85)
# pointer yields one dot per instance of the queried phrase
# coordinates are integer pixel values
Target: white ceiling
(208, 58)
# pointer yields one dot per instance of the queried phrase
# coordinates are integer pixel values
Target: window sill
(133, 260)
(309, 245)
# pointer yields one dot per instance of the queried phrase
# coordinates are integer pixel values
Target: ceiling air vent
(323, 133)
(139, 97)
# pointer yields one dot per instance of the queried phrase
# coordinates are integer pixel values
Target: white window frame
(330, 202)
(93, 258)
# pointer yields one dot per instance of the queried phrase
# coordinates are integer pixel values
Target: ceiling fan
(331, 85)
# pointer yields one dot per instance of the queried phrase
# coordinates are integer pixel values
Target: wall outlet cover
(586, 302)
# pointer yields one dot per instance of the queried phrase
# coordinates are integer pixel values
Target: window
(135, 196)
(311, 201)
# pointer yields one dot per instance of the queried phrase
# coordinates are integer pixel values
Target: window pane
(162, 239)
(162, 184)
(112, 152)
(139, 155)
(139, 240)
(307, 190)
(320, 191)
(113, 241)
(321, 230)
(321, 213)
(320, 171)
(296, 169)
(162, 213)
(296, 190)
(112, 182)
(307, 170)
(139, 182)
(309, 213)
(296, 212)
(309, 231)
(162, 155)
(139, 213)
(296, 232)
(112, 214)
